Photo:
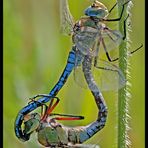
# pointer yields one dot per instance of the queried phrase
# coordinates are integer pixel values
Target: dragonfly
(88, 34)
(51, 133)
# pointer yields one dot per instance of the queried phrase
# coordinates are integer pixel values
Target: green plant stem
(123, 96)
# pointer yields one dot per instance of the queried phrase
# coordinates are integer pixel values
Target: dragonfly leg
(112, 7)
(32, 99)
(42, 109)
(136, 49)
(113, 60)
(124, 27)
(109, 58)
(50, 108)
(119, 18)
(39, 95)
(66, 117)
(104, 68)
(107, 54)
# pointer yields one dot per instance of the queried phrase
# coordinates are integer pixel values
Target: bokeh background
(35, 53)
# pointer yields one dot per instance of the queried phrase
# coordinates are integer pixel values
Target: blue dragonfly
(88, 35)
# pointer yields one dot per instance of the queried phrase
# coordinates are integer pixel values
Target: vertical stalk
(123, 94)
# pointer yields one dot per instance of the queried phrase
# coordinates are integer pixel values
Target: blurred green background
(35, 53)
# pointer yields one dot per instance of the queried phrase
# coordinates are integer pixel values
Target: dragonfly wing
(66, 18)
(112, 39)
(86, 40)
(78, 71)
(79, 77)
(108, 76)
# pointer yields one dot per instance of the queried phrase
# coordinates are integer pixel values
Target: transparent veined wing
(109, 42)
(92, 41)
(78, 71)
(107, 76)
(66, 19)
(86, 40)
(79, 77)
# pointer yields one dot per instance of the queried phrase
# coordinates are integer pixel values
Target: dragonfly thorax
(86, 35)
(97, 10)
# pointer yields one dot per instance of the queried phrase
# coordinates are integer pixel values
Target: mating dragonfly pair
(89, 35)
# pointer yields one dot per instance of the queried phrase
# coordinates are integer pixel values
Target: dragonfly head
(31, 122)
(97, 10)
